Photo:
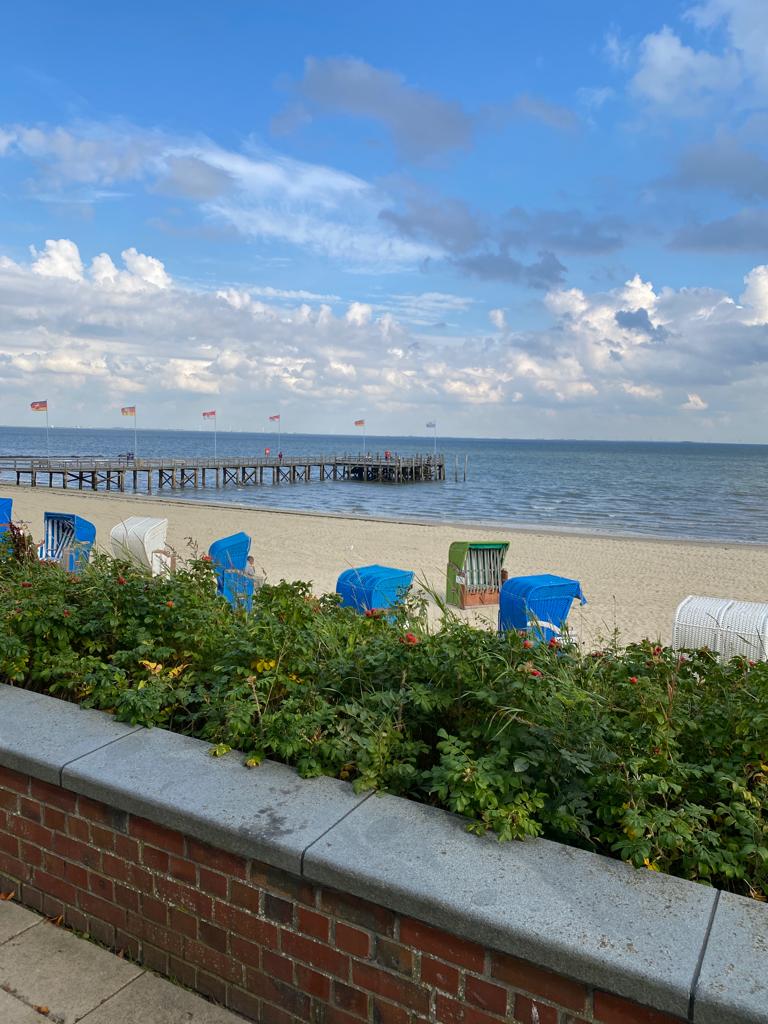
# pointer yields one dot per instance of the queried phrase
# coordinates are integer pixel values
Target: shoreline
(633, 584)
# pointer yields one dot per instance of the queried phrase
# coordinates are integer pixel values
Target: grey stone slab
(40, 734)
(47, 966)
(733, 984)
(13, 1011)
(636, 933)
(152, 1000)
(267, 813)
(15, 919)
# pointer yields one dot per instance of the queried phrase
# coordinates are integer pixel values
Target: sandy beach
(633, 585)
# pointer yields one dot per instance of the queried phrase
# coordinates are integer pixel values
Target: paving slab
(48, 966)
(14, 920)
(733, 984)
(152, 1000)
(267, 813)
(636, 933)
(13, 1011)
(40, 734)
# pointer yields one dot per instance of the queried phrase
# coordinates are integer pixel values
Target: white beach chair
(726, 626)
(141, 539)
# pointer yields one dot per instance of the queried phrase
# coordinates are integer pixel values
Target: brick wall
(265, 943)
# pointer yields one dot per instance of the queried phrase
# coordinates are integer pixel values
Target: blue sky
(520, 220)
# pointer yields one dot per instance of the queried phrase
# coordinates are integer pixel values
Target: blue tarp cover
(539, 603)
(230, 557)
(6, 506)
(373, 586)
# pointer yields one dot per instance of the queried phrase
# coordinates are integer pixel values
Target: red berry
(121, 580)
(65, 613)
(535, 672)
(26, 584)
(527, 644)
(169, 604)
(633, 679)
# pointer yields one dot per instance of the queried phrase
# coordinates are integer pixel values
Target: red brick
(104, 838)
(125, 897)
(182, 922)
(30, 830)
(276, 966)
(184, 973)
(246, 952)
(154, 859)
(101, 886)
(277, 992)
(9, 779)
(218, 860)
(155, 959)
(183, 870)
(270, 1014)
(162, 838)
(14, 868)
(488, 997)
(309, 981)
(55, 819)
(613, 1009)
(243, 1002)
(125, 871)
(351, 999)
(388, 1013)
(30, 854)
(250, 927)
(72, 873)
(9, 799)
(183, 896)
(334, 1015)
(73, 849)
(275, 880)
(127, 944)
(360, 912)
(311, 923)
(30, 809)
(314, 953)
(126, 848)
(163, 938)
(94, 810)
(212, 936)
(390, 986)
(212, 961)
(10, 844)
(439, 975)
(211, 986)
(277, 910)
(442, 944)
(352, 940)
(524, 1008)
(521, 974)
(102, 909)
(54, 795)
(245, 896)
(80, 829)
(154, 909)
(56, 887)
(451, 1011)
(393, 956)
(213, 882)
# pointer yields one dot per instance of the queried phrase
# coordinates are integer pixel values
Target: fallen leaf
(7, 895)
(42, 1009)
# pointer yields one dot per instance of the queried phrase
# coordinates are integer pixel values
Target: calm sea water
(704, 491)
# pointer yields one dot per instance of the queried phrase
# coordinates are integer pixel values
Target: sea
(631, 488)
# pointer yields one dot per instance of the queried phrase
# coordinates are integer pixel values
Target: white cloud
(755, 295)
(498, 319)
(675, 76)
(695, 403)
(60, 258)
(359, 314)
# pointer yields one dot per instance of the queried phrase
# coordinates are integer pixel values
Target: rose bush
(634, 752)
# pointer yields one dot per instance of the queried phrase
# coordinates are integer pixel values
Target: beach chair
(67, 540)
(538, 605)
(474, 572)
(230, 557)
(726, 626)
(141, 540)
(373, 586)
(6, 508)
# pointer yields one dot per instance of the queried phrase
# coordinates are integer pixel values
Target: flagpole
(215, 456)
(135, 435)
(435, 428)
(47, 436)
(279, 432)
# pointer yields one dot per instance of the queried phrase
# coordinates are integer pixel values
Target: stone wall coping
(670, 944)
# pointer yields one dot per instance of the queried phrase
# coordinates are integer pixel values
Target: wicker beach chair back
(230, 557)
(724, 625)
(68, 540)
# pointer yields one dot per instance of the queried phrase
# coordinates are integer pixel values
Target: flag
(128, 410)
(210, 415)
(275, 418)
(431, 426)
(39, 406)
(359, 423)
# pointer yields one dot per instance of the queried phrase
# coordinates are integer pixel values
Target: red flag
(128, 410)
(39, 406)
(274, 419)
(210, 415)
(359, 423)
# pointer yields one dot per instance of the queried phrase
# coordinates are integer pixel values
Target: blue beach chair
(6, 508)
(538, 605)
(373, 586)
(68, 540)
(230, 557)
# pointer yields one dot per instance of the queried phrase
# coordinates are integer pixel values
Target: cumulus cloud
(60, 258)
(695, 403)
(677, 77)
(359, 314)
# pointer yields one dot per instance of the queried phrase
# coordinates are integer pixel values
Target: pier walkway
(121, 472)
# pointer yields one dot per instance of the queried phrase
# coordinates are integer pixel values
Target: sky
(512, 219)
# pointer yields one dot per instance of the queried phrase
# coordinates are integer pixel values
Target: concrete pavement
(47, 973)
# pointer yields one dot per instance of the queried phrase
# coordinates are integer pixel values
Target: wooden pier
(120, 473)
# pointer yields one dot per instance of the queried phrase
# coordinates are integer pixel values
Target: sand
(633, 585)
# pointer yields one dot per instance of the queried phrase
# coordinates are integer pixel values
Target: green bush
(637, 753)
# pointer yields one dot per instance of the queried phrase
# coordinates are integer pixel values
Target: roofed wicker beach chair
(538, 605)
(230, 557)
(141, 540)
(373, 587)
(724, 625)
(67, 540)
